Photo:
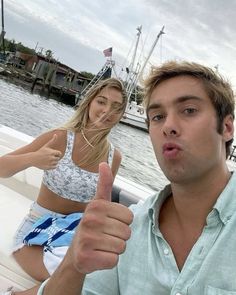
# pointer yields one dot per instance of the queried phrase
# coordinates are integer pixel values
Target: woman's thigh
(30, 259)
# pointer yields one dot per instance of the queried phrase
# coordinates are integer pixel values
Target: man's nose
(171, 127)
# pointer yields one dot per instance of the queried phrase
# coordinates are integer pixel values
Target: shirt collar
(225, 204)
(157, 202)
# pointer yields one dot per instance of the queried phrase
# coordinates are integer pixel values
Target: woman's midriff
(53, 202)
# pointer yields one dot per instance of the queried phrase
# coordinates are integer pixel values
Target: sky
(77, 31)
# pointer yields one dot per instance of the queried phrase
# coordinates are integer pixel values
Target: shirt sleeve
(102, 282)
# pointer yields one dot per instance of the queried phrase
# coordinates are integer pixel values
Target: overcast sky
(77, 31)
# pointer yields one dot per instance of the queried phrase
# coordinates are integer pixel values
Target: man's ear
(228, 128)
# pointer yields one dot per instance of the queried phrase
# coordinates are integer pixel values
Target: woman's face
(106, 109)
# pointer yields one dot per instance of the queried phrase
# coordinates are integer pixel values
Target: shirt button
(166, 252)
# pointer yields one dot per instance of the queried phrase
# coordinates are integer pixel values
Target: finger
(57, 155)
(51, 141)
(105, 243)
(105, 182)
(51, 167)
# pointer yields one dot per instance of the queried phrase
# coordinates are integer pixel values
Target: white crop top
(70, 181)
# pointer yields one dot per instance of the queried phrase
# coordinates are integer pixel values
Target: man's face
(183, 130)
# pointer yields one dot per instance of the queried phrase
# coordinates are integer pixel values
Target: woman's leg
(30, 258)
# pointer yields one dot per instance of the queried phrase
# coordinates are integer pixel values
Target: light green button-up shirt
(148, 266)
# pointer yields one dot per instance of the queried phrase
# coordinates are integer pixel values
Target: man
(182, 240)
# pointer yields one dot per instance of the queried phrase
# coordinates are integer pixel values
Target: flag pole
(2, 41)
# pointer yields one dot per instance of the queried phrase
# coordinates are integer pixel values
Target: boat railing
(232, 155)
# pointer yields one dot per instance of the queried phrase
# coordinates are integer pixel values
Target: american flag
(108, 52)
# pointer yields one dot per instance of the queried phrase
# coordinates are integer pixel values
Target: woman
(70, 157)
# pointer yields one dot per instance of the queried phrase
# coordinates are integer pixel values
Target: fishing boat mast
(2, 41)
(151, 51)
(131, 77)
(134, 76)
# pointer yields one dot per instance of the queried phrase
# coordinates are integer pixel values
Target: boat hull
(135, 121)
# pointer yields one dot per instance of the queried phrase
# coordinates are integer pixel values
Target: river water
(34, 114)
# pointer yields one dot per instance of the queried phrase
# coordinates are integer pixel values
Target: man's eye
(157, 117)
(190, 111)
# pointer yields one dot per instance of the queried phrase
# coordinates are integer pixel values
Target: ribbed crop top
(70, 181)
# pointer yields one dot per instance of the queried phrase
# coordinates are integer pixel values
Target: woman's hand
(47, 157)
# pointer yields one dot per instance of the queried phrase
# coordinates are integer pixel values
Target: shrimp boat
(135, 115)
(16, 195)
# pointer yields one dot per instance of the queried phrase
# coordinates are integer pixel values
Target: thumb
(105, 182)
(51, 141)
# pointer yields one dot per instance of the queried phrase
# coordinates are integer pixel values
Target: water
(34, 114)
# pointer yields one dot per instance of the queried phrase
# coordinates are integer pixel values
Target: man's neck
(194, 200)
(183, 215)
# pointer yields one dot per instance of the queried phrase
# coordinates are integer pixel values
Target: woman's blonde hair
(80, 120)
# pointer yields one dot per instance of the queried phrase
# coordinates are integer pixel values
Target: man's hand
(104, 229)
(46, 157)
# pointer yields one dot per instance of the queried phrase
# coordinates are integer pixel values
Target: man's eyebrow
(176, 101)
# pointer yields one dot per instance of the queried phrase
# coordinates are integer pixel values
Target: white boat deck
(13, 207)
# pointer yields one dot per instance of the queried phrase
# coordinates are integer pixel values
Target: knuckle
(131, 217)
(127, 233)
(86, 240)
(90, 219)
(98, 206)
(110, 263)
(121, 246)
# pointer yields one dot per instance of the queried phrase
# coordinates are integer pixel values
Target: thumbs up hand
(105, 182)
(46, 157)
(103, 231)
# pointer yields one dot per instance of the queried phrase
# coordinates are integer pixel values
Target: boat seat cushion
(13, 208)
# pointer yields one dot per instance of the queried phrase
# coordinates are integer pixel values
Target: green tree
(87, 75)
(20, 47)
(11, 45)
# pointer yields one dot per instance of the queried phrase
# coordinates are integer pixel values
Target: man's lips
(171, 150)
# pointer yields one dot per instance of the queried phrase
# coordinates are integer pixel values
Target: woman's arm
(42, 153)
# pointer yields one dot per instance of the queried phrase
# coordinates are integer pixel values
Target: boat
(135, 116)
(16, 195)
